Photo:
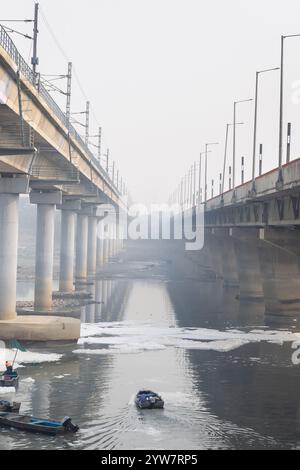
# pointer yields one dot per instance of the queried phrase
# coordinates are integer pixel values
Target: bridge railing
(8, 45)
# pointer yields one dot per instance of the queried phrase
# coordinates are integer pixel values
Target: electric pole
(35, 60)
(99, 143)
(87, 123)
(69, 91)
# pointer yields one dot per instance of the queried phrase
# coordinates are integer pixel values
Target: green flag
(15, 344)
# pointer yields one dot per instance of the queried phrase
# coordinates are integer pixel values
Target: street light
(200, 176)
(234, 137)
(255, 122)
(206, 152)
(225, 153)
(280, 178)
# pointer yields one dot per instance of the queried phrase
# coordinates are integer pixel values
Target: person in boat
(9, 370)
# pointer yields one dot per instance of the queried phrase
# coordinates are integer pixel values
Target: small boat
(145, 399)
(36, 425)
(10, 407)
(9, 380)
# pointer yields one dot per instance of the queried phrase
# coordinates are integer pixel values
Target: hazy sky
(162, 76)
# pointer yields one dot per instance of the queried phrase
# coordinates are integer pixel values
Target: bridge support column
(116, 239)
(246, 243)
(92, 245)
(46, 202)
(67, 246)
(100, 246)
(81, 246)
(121, 237)
(105, 243)
(110, 241)
(228, 258)
(10, 188)
(280, 261)
(214, 247)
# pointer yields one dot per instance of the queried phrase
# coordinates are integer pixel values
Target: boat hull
(148, 400)
(34, 425)
(9, 382)
(145, 405)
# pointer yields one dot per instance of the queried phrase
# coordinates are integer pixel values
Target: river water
(226, 376)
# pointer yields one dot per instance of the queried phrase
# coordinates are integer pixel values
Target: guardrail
(8, 45)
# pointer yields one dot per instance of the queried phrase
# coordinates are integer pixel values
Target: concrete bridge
(252, 240)
(42, 155)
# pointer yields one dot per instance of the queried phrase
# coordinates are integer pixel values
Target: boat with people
(10, 377)
(9, 380)
(37, 425)
(146, 399)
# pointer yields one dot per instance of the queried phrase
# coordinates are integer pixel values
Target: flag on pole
(15, 344)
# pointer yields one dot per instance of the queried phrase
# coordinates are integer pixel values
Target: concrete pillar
(105, 244)
(215, 250)
(120, 237)
(10, 189)
(246, 243)
(100, 247)
(280, 271)
(117, 241)
(46, 202)
(67, 245)
(110, 241)
(81, 246)
(113, 241)
(8, 255)
(228, 258)
(92, 246)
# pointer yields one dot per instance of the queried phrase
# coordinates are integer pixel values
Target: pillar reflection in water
(90, 308)
(99, 299)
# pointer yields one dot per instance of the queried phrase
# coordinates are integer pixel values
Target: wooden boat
(145, 399)
(36, 425)
(9, 380)
(10, 407)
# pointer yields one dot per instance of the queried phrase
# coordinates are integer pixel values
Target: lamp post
(206, 152)
(225, 154)
(255, 122)
(280, 177)
(234, 137)
(200, 176)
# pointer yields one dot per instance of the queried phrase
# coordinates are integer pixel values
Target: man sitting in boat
(9, 370)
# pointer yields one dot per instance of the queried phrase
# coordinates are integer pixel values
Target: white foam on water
(59, 377)
(7, 390)
(131, 348)
(219, 346)
(29, 380)
(132, 337)
(26, 357)
(151, 431)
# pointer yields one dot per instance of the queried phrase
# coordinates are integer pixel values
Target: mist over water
(226, 377)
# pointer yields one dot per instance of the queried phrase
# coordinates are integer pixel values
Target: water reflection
(247, 397)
